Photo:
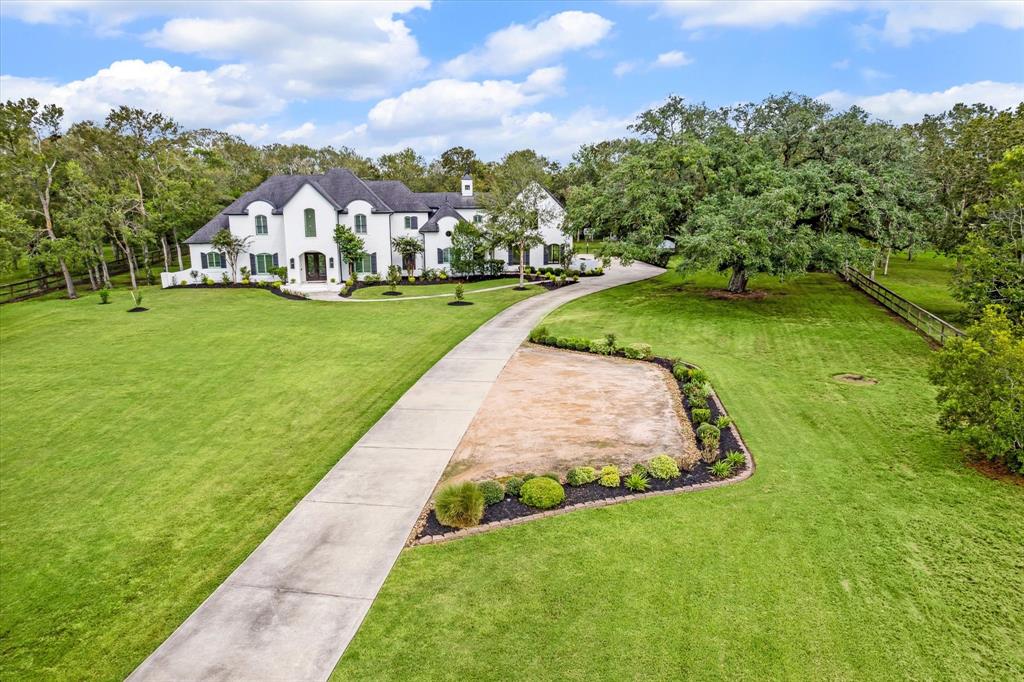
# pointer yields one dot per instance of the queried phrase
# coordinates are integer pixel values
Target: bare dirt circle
(857, 379)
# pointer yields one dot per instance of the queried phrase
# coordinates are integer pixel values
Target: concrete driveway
(290, 609)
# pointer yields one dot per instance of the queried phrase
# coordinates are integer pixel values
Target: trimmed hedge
(542, 493)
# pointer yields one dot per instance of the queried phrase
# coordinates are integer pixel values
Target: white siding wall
(376, 239)
(398, 229)
(439, 240)
(296, 241)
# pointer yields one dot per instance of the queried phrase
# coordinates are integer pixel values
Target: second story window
(477, 219)
(310, 216)
(261, 224)
(360, 223)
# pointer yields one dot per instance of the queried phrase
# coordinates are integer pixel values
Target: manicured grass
(862, 548)
(431, 289)
(145, 455)
(925, 281)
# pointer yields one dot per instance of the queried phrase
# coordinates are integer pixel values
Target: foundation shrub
(680, 371)
(578, 476)
(459, 505)
(663, 467)
(723, 422)
(537, 334)
(639, 468)
(721, 469)
(737, 459)
(610, 477)
(542, 493)
(493, 492)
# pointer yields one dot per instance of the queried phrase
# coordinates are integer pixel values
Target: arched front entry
(316, 266)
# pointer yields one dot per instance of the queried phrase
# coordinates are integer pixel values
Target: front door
(316, 267)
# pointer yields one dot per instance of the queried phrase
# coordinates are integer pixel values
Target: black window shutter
(526, 255)
(275, 261)
(252, 263)
(440, 256)
(415, 222)
(510, 259)
(373, 263)
(202, 257)
(223, 260)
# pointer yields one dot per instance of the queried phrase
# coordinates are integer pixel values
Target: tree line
(134, 185)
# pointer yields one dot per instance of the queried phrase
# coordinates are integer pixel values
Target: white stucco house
(291, 219)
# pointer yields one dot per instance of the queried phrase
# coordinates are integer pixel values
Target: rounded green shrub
(663, 467)
(459, 505)
(542, 493)
(707, 432)
(610, 477)
(637, 351)
(513, 486)
(581, 476)
(701, 415)
(697, 376)
(680, 371)
(493, 492)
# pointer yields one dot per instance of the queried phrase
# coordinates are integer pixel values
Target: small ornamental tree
(394, 277)
(980, 378)
(232, 246)
(515, 221)
(351, 247)
(408, 247)
(469, 249)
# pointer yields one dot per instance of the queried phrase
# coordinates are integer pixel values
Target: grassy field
(862, 548)
(925, 281)
(145, 455)
(431, 289)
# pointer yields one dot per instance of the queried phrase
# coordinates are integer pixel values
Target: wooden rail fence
(37, 286)
(919, 318)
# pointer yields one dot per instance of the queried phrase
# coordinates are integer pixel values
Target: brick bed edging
(747, 472)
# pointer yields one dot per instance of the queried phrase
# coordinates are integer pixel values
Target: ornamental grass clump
(637, 482)
(459, 505)
(610, 477)
(663, 467)
(542, 493)
(721, 469)
(493, 492)
(736, 459)
(578, 476)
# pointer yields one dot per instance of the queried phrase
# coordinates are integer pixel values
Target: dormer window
(261, 224)
(360, 223)
(310, 216)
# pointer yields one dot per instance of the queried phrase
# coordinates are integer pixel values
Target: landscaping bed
(272, 287)
(469, 507)
(550, 277)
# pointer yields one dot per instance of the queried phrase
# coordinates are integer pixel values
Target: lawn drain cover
(858, 379)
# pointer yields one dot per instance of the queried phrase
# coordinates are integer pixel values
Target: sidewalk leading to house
(290, 609)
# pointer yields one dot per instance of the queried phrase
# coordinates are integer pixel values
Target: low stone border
(747, 472)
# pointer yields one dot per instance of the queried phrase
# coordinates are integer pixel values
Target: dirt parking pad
(551, 410)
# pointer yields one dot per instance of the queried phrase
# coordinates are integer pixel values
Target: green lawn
(431, 289)
(925, 281)
(862, 548)
(143, 456)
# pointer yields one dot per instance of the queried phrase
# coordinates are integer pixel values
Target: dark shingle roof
(339, 186)
(455, 199)
(206, 233)
(398, 196)
(445, 211)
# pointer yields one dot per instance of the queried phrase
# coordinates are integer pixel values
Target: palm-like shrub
(459, 505)
(721, 469)
(637, 482)
(542, 493)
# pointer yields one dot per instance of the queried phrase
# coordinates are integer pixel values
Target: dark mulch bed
(392, 293)
(512, 508)
(137, 309)
(458, 303)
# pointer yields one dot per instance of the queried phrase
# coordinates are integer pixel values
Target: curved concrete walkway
(291, 608)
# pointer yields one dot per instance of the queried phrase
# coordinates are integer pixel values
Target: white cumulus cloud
(194, 98)
(672, 59)
(518, 47)
(303, 132)
(904, 106)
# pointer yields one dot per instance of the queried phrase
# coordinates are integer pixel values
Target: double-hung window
(364, 265)
(264, 261)
(360, 223)
(444, 256)
(214, 260)
(310, 216)
(477, 219)
(261, 224)
(412, 222)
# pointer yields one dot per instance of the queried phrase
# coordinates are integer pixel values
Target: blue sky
(498, 76)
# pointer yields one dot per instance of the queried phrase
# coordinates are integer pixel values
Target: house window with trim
(214, 260)
(477, 219)
(444, 256)
(310, 216)
(261, 224)
(364, 265)
(360, 223)
(411, 222)
(554, 253)
(264, 261)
